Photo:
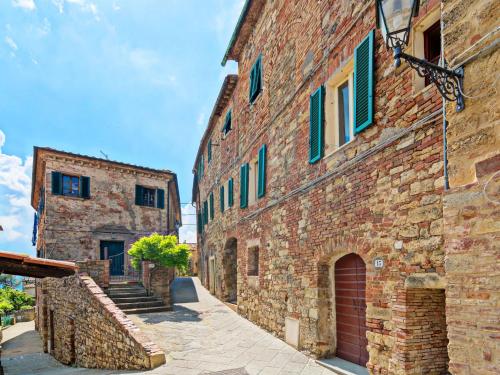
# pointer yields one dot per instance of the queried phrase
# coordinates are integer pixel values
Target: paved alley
(204, 336)
(200, 336)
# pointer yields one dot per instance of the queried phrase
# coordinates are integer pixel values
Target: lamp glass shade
(395, 17)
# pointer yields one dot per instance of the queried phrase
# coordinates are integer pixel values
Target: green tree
(162, 250)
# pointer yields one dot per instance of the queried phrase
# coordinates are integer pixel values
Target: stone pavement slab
(203, 336)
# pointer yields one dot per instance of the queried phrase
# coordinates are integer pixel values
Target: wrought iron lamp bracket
(448, 82)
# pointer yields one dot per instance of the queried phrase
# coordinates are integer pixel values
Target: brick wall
(80, 325)
(380, 196)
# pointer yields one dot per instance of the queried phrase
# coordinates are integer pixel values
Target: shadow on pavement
(178, 314)
(183, 290)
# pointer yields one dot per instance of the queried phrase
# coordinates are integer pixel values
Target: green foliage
(26, 307)
(12, 300)
(5, 306)
(162, 250)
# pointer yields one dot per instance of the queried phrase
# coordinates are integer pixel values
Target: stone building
(94, 209)
(321, 193)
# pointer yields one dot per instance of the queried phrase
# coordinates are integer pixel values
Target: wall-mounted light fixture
(394, 18)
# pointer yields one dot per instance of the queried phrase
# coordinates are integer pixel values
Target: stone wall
(157, 280)
(98, 270)
(80, 325)
(72, 228)
(24, 315)
(471, 206)
(380, 196)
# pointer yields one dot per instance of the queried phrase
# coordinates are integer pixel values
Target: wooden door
(350, 307)
(114, 250)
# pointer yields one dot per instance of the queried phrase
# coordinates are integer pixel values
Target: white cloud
(84, 5)
(116, 6)
(10, 42)
(187, 233)
(25, 4)
(16, 216)
(200, 121)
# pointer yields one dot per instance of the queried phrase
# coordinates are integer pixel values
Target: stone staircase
(132, 298)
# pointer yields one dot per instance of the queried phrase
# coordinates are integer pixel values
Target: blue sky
(135, 79)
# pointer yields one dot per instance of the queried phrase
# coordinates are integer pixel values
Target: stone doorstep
(342, 367)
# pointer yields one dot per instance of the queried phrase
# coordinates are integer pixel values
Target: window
(253, 261)
(256, 79)
(71, 186)
(339, 124)
(209, 151)
(149, 197)
(426, 43)
(253, 178)
(343, 107)
(205, 213)
(200, 167)
(432, 45)
(227, 123)
(261, 187)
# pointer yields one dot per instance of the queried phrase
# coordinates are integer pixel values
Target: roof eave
(236, 32)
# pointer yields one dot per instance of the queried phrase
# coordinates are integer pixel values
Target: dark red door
(350, 306)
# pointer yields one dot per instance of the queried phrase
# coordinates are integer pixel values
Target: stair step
(146, 310)
(134, 305)
(126, 290)
(133, 299)
(127, 295)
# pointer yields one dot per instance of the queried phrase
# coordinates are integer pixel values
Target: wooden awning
(24, 265)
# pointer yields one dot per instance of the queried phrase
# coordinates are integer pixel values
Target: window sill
(339, 149)
(71, 197)
(150, 207)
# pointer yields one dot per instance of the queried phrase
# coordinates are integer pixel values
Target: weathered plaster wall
(80, 325)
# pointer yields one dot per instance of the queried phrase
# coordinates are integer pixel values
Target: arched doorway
(230, 264)
(350, 309)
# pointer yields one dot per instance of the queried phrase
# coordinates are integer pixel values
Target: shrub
(15, 299)
(5, 306)
(162, 250)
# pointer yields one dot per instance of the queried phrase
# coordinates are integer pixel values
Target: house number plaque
(378, 263)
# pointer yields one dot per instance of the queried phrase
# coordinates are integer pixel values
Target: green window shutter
(230, 199)
(261, 186)
(160, 198)
(138, 195)
(227, 123)
(363, 83)
(316, 119)
(244, 185)
(199, 223)
(56, 183)
(85, 187)
(209, 151)
(205, 212)
(202, 165)
(221, 198)
(212, 209)
(256, 79)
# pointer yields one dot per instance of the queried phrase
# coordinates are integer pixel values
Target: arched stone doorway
(230, 264)
(350, 309)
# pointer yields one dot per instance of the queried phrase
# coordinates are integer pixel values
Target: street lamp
(394, 19)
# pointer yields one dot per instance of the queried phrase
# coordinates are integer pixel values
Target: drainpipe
(168, 207)
(442, 63)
